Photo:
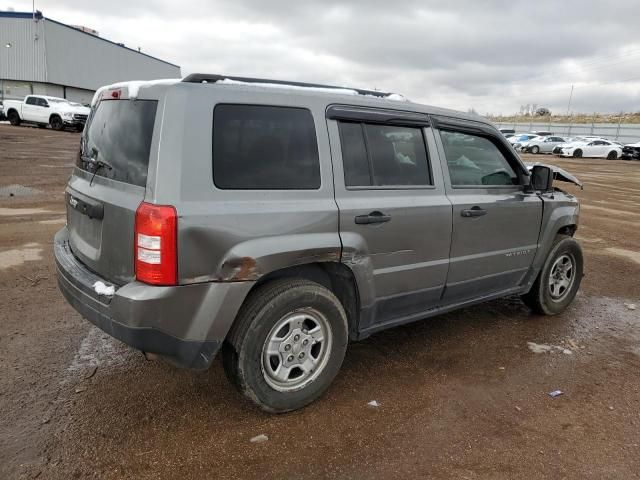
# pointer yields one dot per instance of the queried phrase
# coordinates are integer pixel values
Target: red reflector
(156, 244)
(111, 94)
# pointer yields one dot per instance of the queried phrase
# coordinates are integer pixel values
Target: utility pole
(570, 97)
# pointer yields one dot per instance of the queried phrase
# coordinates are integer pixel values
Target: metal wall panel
(50, 52)
(622, 132)
(79, 95)
(24, 59)
(84, 61)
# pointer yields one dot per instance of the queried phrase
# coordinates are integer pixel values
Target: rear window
(119, 134)
(262, 147)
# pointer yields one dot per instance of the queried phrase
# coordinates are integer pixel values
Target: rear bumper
(185, 324)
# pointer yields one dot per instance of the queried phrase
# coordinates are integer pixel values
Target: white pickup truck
(42, 111)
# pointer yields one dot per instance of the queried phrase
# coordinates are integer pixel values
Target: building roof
(38, 15)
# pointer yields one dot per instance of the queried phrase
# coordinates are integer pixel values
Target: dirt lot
(461, 395)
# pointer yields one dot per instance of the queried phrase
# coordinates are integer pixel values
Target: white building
(42, 56)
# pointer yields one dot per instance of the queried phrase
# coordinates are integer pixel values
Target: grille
(79, 116)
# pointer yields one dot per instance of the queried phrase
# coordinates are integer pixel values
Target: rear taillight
(156, 244)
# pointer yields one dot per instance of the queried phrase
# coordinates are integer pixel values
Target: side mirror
(541, 178)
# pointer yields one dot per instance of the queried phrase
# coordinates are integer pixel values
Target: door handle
(373, 217)
(474, 212)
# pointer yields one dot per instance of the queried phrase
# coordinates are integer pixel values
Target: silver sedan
(541, 144)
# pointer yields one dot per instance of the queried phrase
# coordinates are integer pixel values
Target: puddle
(68, 165)
(14, 212)
(630, 254)
(17, 190)
(54, 221)
(29, 252)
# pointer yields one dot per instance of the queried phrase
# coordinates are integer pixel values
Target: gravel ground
(460, 395)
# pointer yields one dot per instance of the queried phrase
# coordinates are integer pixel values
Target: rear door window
(383, 155)
(119, 133)
(263, 147)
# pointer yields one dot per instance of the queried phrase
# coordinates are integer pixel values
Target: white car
(594, 149)
(542, 144)
(43, 110)
(575, 141)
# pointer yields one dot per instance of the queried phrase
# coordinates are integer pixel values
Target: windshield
(118, 134)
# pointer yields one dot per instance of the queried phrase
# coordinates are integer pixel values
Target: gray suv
(275, 222)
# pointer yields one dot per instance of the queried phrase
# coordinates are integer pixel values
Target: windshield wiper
(97, 164)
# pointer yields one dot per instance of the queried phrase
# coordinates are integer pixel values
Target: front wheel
(559, 280)
(577, 153)
(287, 344)
(535, 149)
(56, 123)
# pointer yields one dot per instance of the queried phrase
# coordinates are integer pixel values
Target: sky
(493, 56)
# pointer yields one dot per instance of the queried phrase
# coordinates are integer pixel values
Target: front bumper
(185, 324)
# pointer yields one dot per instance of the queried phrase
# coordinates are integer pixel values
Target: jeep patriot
(274, 222)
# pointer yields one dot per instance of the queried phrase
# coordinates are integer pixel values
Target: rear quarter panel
(237, 235)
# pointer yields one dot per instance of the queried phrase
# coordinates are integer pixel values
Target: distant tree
(543, 112)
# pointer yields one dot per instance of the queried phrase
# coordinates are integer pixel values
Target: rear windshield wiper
(97, 164)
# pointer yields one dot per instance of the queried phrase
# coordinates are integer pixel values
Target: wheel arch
(335, 276)
(54, 115)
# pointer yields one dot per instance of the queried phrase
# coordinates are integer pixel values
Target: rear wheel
(535, 149)
(559, 280)
(56, 122)
(577, 153)
(287, 344)
(14, 118)
(612, 155)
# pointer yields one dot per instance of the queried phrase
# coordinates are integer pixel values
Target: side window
(383, 155)
(42, 102)
(262, 147)
(475, 160)
(31, 101)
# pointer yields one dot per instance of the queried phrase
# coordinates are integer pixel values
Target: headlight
(67, 115)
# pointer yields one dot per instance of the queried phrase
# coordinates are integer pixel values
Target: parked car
(593, 149)
(2, 115)
(518, 139)
(542, 133)
(574, 140)
(274, 224)
(631, 151)
(43, 110)
(541, 144)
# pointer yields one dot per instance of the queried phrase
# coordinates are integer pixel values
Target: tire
(56, 122)
(14, 118)
(268, 318)
(540, 298)
(577, 153)
(535, 149)
(612, 155)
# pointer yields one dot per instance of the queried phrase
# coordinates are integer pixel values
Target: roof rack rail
(212, 78)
